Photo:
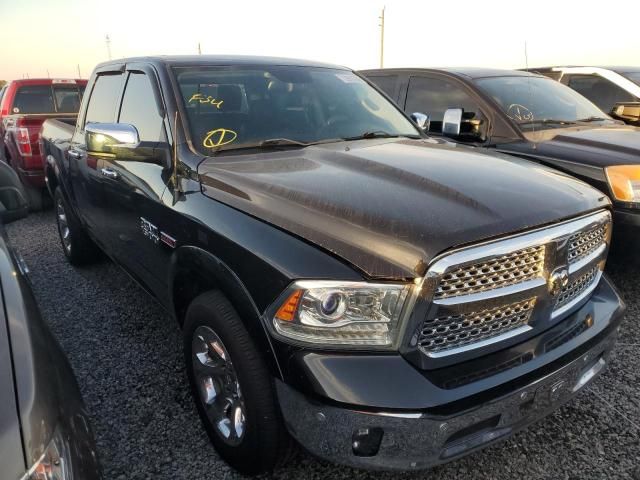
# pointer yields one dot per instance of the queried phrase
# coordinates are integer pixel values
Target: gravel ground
(127, 356)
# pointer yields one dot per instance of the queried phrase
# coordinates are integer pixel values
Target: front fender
(194, 270)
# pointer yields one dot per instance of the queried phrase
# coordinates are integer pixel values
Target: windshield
(236, 107)
(633, 76)
(536, 103)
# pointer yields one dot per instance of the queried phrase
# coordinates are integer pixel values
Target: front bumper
(358, 435)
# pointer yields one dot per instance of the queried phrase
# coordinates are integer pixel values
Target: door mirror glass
(452, 122)
(627, 112)
(422, 120)
(13, 199)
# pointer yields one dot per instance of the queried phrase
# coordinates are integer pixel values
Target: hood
(598, 146)
(388, 207)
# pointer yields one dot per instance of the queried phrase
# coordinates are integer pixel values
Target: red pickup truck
(24, 106)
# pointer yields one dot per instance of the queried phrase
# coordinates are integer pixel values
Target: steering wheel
(519, 113)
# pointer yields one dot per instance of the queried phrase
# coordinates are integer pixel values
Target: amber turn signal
(287, 311)
(624, 181)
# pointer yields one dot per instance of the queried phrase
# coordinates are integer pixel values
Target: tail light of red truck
(23, 141)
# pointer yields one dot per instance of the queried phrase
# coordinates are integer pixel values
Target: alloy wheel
(63, 226)
(218, 386)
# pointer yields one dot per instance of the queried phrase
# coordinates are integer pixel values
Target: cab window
(139, 108)
(434, 96)
(104, 99)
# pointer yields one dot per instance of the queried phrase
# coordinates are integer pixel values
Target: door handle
(75, 154)
(109, 173)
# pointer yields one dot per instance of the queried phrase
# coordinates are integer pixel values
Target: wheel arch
(194, 271)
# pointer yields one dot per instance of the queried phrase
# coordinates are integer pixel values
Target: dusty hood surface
(598, 146)
(389, 206)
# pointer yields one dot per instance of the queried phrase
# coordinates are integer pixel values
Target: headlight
(342, 313)
(54, 464)
(624, 181)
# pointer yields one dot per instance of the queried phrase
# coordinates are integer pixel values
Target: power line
(108, 42)
(381, 25)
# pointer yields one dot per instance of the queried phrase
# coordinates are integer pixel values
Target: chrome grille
(454, 331)
(510, 269)
(576, 287)
(585, 243)
(486, 294)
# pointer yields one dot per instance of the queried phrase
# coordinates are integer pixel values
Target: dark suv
(388, 300)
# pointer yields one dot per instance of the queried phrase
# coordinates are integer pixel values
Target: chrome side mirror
(102, 137)
(451, 122)
(422, 120)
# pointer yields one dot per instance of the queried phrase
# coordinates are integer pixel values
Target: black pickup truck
(530, 116)
(388, 300)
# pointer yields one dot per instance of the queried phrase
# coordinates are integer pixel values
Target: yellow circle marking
(219, 137)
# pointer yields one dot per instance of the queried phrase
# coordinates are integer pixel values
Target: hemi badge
(167, 240)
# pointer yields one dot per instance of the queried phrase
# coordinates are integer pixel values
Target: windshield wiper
(592, 119)
(378, 134)
(282, 142)
(548, 121)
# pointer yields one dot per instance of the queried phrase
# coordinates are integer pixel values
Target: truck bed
(58, 130)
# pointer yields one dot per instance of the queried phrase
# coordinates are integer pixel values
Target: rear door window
(387, 83)
(604, 93)
(33, 99)
(104, 99)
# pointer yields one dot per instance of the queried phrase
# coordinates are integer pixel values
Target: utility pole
(48, 76)
(79, 74)
(381, 17)
(108, 41)
(199, 49)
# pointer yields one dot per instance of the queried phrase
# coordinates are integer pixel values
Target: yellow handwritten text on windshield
(219, 137)
(200, 98)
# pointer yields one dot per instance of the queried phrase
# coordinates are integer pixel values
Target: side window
(386, 83)
(602, 92)
(139, 108)
(434, 96)
(104, 99)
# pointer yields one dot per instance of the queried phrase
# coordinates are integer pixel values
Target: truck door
(84, 168)
(133, 189)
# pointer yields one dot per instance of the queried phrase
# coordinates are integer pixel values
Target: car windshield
(536, 103)
(250, 106)
(633, 76)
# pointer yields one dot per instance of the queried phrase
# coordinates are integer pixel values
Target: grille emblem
(557, 281)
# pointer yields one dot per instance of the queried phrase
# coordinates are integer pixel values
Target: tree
(2, 83)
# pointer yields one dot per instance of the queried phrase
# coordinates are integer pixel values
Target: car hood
(388, 207)
(599, 146)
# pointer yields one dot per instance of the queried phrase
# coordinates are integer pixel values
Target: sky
(40, 38)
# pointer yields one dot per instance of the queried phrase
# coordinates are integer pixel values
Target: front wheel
(232, 387)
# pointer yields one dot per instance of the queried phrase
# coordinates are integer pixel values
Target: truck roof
(48, 81)
(619, 68)
(195, 60)
(468, 72)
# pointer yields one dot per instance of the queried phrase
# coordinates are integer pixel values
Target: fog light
(366, 442)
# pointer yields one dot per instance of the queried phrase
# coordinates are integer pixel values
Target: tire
(263, 442)
(76, 244)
